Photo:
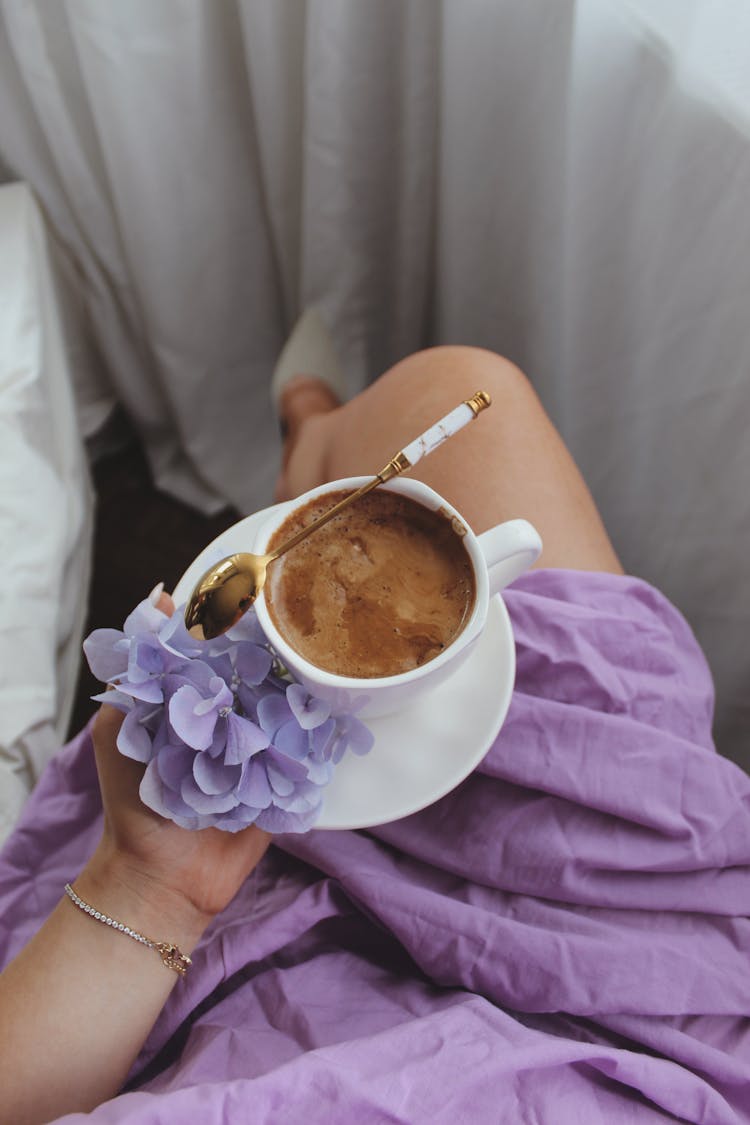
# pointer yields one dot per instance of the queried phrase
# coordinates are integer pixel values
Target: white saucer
(422, 752)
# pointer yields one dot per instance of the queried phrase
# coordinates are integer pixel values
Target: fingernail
(156, 593)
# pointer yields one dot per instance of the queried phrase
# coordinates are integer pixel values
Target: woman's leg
(510, 462)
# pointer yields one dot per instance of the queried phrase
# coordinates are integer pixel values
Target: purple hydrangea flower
(226, 742)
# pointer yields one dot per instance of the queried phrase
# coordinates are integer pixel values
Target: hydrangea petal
(351, 734)
(253, 788)
(213, 776)
(248, 628)
(273, 710)
(151, 790)
(280, 782)
(360, 738)
(290, 767)
(319, 773)
(244, 739)
(218, 746)
(292, 740)
(228, 824)
(145, 659)
(320, 739)
(115, 699)
(145, 618)
(222, 692)
(194, 672)
(204, 803)
(252, 663)
(277, 820)
(308, 711)
(149, 691)
(249, 697)
(337, 749)
(297, 803)
(242, 815)
(204, 707)
(193, 823)
(133, 739)
(176, 639)
(221, 665)
(194, 730)
(172, 763)
(175, 806)
(106, 652)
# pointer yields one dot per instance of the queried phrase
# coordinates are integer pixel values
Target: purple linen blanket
(564, 938)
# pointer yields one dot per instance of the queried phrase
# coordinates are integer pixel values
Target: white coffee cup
(497, 556)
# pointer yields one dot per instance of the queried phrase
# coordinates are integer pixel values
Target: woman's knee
(362, 435)
(452, 372)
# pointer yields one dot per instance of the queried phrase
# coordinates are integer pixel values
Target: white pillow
(45, 508)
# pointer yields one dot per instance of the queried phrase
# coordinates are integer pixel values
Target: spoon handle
(405, 459)
(446, 427)
(334, 511)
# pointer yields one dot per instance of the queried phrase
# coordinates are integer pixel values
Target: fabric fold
(564, 937)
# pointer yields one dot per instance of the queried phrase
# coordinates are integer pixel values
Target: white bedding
(45, 508)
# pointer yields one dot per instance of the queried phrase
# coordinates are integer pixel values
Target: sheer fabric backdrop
(557, 180)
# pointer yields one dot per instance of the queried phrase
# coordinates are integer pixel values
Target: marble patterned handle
(445, 428)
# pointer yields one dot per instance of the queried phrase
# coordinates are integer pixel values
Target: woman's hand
(79, 1000)
(198, 870)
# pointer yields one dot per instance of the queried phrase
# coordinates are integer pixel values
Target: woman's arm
(78, 1002)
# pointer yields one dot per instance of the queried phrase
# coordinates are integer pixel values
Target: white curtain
(560, 180)
(46, 508)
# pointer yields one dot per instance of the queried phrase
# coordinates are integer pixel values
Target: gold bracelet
(170, 954)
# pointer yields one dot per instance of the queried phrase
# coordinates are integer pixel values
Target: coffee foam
(381, 589)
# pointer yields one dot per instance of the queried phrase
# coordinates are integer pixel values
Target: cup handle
(509, 550)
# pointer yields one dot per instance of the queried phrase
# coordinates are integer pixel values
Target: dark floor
(141, 537)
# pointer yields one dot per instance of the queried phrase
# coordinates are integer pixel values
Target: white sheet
(45, 508)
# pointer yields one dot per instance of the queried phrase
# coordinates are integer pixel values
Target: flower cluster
(226, 741)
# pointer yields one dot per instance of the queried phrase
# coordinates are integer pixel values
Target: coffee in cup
(496, 557)
(383, 588)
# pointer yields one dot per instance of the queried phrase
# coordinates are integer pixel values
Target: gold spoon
(228, 588)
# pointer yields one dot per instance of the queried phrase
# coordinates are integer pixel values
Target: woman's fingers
(109, 719)
(107, 725)
(161, 600)
(165, 604)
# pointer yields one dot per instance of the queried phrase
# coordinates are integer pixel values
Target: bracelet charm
(171, 956)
